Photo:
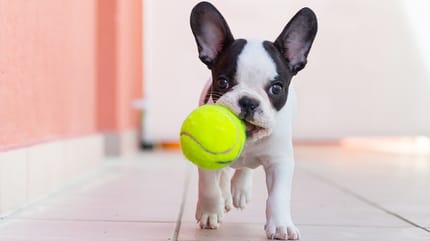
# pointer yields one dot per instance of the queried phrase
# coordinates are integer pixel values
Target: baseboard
(121, 143)
(27, 174)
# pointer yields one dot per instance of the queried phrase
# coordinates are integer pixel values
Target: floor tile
(342, 233)
(41, 230)
(335, 197)
(392, 181)
(415, 211)
(255, 232)
(140, 189)
(313, 203)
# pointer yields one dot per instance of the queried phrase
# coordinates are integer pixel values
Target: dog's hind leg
(241, 187)
(225, 186)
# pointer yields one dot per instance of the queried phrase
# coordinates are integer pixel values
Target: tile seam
(175, 235)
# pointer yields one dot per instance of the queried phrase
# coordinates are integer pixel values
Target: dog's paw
(209, 214)
(241, 197)
(241, 189)
(282, 232)
(228, 202)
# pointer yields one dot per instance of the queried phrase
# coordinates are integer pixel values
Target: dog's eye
(275, 89)
(222, 84)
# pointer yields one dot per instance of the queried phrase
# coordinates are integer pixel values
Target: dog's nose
(248, 106)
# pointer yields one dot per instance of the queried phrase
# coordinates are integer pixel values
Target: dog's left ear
(296, 39)
(211, 32)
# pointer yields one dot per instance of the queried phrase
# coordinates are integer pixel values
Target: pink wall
(129, 61)
(52, 75)
(47, 75)
(106, 47)
(119, 60)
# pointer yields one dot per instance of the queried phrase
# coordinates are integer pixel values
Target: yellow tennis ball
(212, 137)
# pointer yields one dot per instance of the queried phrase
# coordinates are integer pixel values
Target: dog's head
(252, 77)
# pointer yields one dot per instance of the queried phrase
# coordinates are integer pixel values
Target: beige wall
(366, 73)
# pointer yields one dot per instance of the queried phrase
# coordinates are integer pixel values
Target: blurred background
(82, 80)
(367, 73)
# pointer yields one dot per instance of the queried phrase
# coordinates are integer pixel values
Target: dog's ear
(211, 32)
(296, 39)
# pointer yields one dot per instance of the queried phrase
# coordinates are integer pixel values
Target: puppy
(252, 78)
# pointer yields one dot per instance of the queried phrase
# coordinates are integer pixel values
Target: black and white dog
(252, 78)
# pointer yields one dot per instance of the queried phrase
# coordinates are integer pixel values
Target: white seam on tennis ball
(211, 152)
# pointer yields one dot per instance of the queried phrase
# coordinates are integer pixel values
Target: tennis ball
(212, 137)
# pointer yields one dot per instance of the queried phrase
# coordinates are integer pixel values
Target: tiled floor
(339, 194)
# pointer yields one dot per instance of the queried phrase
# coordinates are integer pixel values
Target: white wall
(366, 73)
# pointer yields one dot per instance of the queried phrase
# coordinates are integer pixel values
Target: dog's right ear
(211, 32)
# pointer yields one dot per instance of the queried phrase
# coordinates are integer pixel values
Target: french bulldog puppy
(252, 78)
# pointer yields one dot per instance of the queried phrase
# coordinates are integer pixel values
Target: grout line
(363, 199)
(87, 220)
(184, 199)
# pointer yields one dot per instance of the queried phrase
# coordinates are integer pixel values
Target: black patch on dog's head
(283, 78)
(219, 51)
(289, 53)
(224, 69)
(216, 46)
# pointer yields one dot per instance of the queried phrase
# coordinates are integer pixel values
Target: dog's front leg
(210, 206)
(279, 224)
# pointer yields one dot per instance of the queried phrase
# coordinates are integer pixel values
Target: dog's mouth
(252, 129)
